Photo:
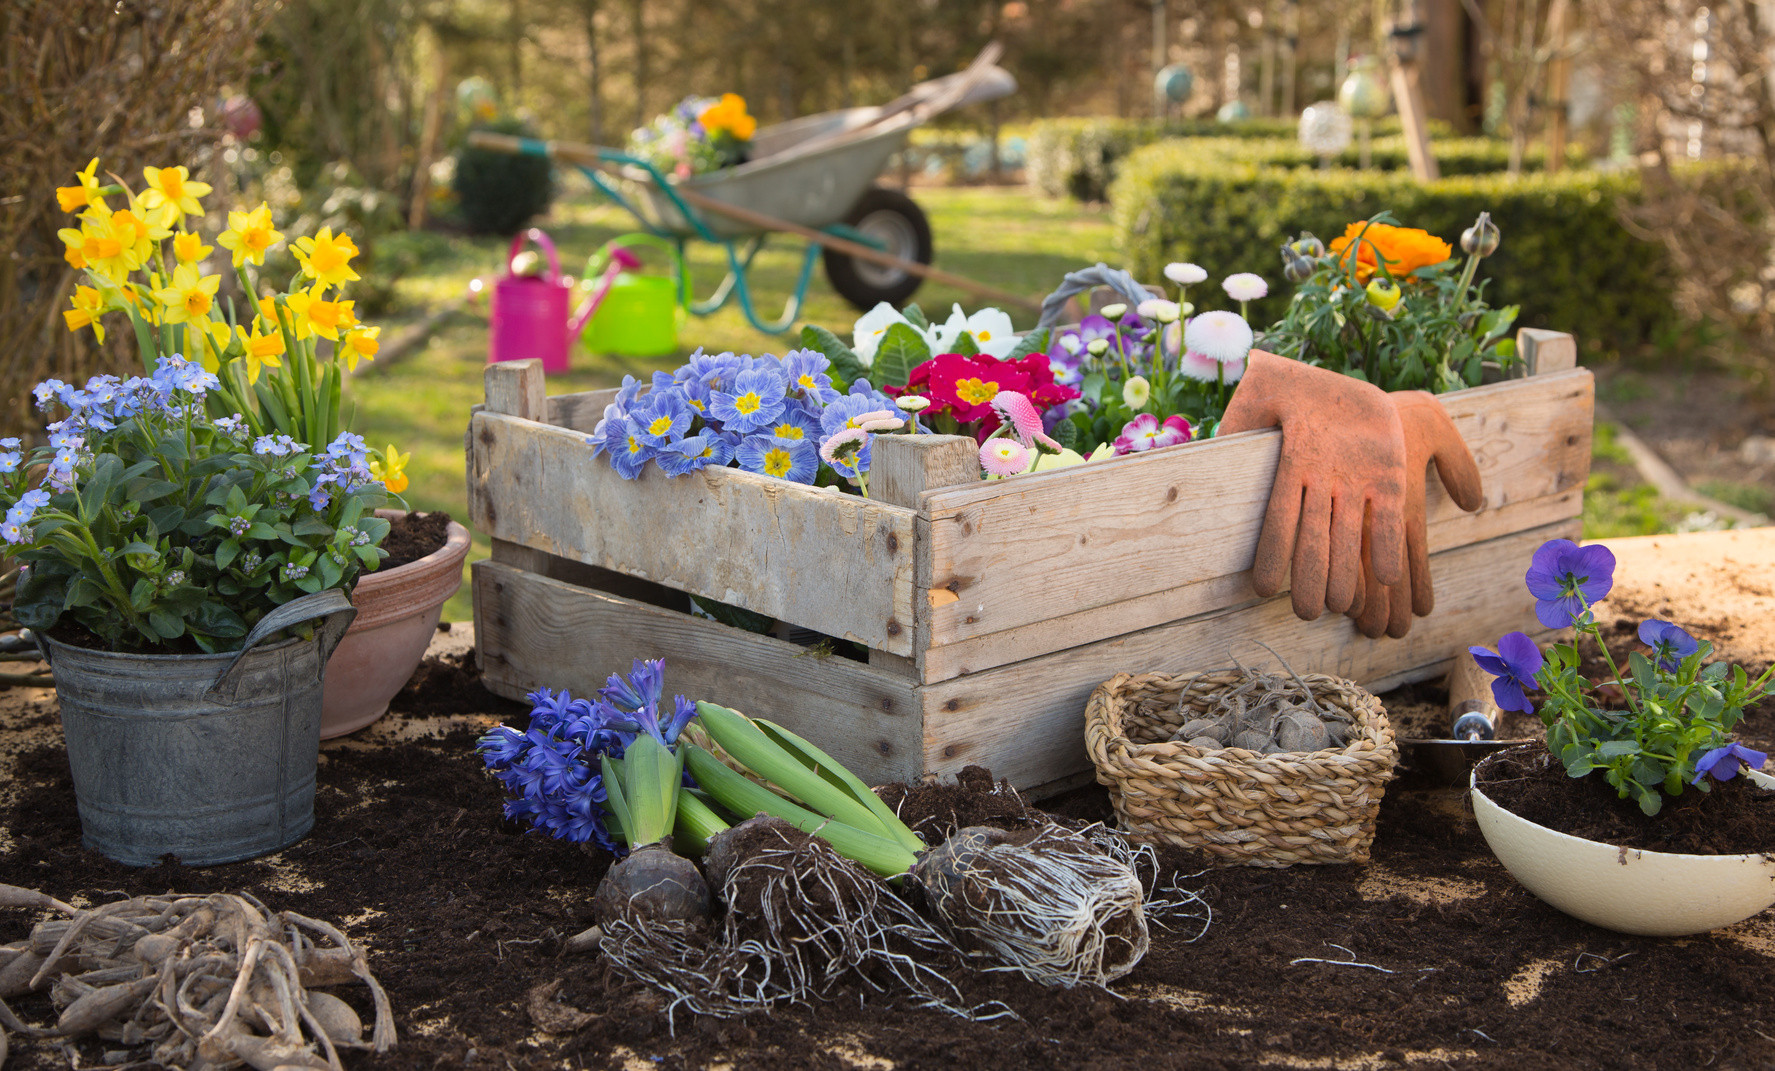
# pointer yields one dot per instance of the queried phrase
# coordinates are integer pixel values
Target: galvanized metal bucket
(210, 758)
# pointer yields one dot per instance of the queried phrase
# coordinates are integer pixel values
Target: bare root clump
(801, 921)
(1048, 904)
(210, 981)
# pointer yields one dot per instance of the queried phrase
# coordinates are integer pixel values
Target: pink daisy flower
(1146, 432)
(1245, 286)
(1004, 457)
(1020, 413)
(1224, 336)
(839, 445)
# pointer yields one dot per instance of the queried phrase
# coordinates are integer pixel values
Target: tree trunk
(594, 73)
(639, 11)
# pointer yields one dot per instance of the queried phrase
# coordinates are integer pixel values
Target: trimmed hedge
(1565, 258)
(1078, 158)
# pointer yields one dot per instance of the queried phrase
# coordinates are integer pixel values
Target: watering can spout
(621, 260)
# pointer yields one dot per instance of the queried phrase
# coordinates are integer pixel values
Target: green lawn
(1007, 238)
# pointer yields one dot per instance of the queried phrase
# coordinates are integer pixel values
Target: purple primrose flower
(1566, 580)
(1514, 666)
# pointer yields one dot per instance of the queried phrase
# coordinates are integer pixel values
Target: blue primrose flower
(756, 400)
(808, 376)
(1669, 643)
(661, 417)
(1722, 763)
(793, 459)
(1513, 665)
(1566, 580)
(695, 453)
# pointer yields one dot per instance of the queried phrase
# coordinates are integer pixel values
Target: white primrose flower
(991, 329)
(866, 335)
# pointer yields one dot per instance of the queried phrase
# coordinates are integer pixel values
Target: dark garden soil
(1447, 961)
(412, 536)
(1734, 817)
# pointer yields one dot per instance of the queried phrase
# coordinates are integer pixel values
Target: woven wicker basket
(1238, 806)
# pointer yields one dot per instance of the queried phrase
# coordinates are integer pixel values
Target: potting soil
(1432, 955)
(413, 536)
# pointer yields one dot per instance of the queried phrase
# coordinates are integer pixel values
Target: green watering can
(641, 314)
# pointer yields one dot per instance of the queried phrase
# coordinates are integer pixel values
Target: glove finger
(1454, 461)
(1344, 566)
(1312, 550)
(1399, 605)
(1275, 544)
(1386, 535)
(1376, 608)
(1417, 563)
(1253, 405)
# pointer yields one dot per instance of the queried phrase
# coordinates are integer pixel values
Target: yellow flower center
(325, 313)
(102, 248)
(196, 303)
(635, 446)
(983, 336)
(748, 403)
(974, 392)
(660, 425)
(806, 382)
(257, 239)
(777, 462)
(788, 431)
(263, 346)
(171, 184)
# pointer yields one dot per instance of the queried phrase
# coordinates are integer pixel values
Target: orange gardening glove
(1341, 473)
(1429, 436)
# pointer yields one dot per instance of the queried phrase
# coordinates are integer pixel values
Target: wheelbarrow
(812, 177)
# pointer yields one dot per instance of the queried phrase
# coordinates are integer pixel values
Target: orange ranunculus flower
(1405, 249)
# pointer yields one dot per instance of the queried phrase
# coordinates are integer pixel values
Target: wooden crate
(989, 609)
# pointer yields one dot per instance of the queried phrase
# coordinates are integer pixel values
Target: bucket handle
(333, 608)
(598, 260)
(1085, 279)
(534, 235)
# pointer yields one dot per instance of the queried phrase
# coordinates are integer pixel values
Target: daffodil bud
(1115, 311)
(1481, 239)
(1383, 294)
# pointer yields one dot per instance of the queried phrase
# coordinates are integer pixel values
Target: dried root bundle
(210, 981)
(1048, 903)
(801, 920)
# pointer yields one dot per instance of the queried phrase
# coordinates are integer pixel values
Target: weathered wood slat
(580, 411)
(532, 631)
(835, 563)
(1054, 544)
(1025, 721)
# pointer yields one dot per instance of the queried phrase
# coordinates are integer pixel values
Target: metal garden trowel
(1473, 721)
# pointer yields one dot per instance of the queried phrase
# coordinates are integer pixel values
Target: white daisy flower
(1185, 274)
(1220, 336)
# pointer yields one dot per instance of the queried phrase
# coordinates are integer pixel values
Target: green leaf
(226, 552)
(1066, 433)
(965, 345)
(847, 367)
(836, 775)
(733, 616)
(1032, 342)
(753, 749)
(170, 625)
(616, 801)
(1614, 749)
(145, 490)
(915, 316)
(902, 349)
(312, 526)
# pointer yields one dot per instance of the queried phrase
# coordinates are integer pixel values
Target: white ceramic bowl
(1654, 894)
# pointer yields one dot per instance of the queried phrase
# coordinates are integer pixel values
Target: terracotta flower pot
(397, 614)
(1654, 894)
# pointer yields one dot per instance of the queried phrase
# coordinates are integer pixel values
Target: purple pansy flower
(1566, 580)
(1669, 643)
(1514, 665)
(1722, 763)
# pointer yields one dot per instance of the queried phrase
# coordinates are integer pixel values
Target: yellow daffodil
(326, 258)
(100, 247)
(72, 198)
(89, 305)
(249, 235)
(393, 471)
(360, 343)
(317, 316)
(190, 296)
(173, 186)
(141, 228)
(73, 244)
(189, 248)
(262, 350)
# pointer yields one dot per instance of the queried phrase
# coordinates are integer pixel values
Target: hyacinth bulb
(1481, 239)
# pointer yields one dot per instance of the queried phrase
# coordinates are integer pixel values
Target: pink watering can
(530, 316)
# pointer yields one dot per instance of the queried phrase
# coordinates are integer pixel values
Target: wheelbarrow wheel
(896, 221)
